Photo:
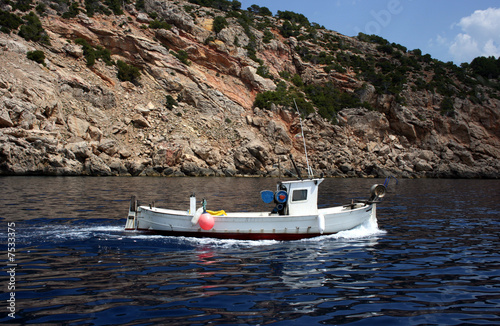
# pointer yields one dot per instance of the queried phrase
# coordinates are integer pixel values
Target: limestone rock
(13, 45)
(369, 124)
(94, 165)
(140, 121)
(143, 18)
(142, 110)
(108, 146)
(5, 120)
(207, 153)
(77, 126)
(422, 165)
(95, 133)
(81, 150)
(190, 169)
(135, 167)
(74, 50)
(249, 74)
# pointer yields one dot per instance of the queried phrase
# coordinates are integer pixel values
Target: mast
(309, 170)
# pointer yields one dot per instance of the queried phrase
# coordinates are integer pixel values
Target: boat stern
(131, 223)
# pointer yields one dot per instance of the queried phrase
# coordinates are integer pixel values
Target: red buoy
(206, 221)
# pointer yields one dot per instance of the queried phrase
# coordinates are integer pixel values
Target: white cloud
(480, 36)
(464, 48)
(441, 40)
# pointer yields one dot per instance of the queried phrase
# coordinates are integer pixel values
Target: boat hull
(254, 226)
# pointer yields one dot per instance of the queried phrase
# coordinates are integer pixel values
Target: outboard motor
(377, 192)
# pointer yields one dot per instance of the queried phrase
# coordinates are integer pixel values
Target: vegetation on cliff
(389, 67)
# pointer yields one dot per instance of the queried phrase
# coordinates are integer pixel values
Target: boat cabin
(302, 196)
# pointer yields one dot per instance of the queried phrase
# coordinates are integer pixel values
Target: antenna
(279, 168)
(309, 170)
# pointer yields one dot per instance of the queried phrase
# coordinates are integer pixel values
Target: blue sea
(431, 258)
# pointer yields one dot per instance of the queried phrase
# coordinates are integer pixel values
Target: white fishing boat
(295, 216)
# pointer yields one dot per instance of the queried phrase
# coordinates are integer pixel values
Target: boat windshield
(299, 194)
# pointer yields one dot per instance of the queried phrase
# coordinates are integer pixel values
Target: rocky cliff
(193, 110)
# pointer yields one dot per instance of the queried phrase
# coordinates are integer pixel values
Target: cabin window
(299, 195)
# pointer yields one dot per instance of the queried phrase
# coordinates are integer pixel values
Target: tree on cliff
(128, 72)
(486, 67)
(32, 29)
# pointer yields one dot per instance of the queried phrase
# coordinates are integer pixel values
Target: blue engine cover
(267, 196)
(281, 197)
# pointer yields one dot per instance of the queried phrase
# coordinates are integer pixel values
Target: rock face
(65, 118)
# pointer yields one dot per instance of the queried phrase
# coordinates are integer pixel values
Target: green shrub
(263, 11)
(170, 102)
(90, 7)
(285, 74)
(182, 56)
(40, 8)
(90, 58)
(115, 6)
(9, 21)
(268, 36)
(127, 72)
(420, 83)
(417, 52)
(265, 99)
(447, 106)
(224, 5)
(289, 30)
(426, 58)
(37, 56)
(95, 6)
(486, 67)
(294, 18)
(252, 53)
(91, 54)
(246, 22)
(297, 80)
(336, 67)
(104, 54)
(304, 106)
(285, 97)
(263, 71)
(141, 5)
(73, 11)
(386, 48)
(22, 5)
(329, 100)
(32, 29)
(187, 8)
(400, 47)
(219, 24)
(410, 62)
(279, 96)
(156, 24)
(322, 58)
(372, 39)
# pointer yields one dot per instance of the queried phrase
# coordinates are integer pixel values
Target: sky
(448, 30)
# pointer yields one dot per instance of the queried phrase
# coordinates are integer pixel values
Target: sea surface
(431, 258)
